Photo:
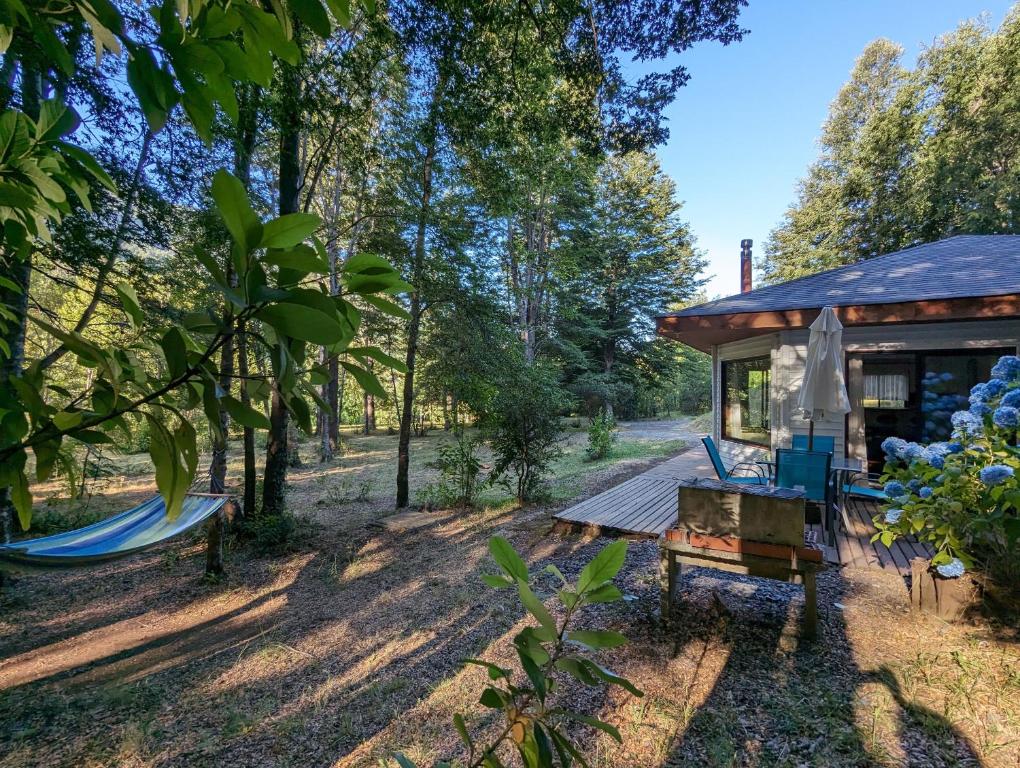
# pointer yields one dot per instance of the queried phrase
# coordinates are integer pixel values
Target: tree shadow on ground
(319, 653)
(780, 700)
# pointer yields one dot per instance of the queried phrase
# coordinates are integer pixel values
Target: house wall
(789, 350)
(732, 451)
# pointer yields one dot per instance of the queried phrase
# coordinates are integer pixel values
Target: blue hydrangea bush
(962, 495)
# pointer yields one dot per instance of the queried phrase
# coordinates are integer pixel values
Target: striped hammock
(139, 528)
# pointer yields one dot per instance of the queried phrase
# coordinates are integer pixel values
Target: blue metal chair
(807, 469)
(824, 443)
(757, 477)
(810, 470)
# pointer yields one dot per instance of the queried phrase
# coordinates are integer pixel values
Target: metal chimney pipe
(745, 265)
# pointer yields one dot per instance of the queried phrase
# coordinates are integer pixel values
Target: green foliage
(268, 288)
(523, 425)
(460, 471)
(269, 533)
(601, 436)
(963, 498)
(534, 718)
(910, 156)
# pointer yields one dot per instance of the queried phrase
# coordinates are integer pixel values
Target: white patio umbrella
(823, 391)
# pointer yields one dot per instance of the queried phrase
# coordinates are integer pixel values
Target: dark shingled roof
(958, 267)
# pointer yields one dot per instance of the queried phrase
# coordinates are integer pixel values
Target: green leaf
(21, 497)
(603, 567)
(388, 307)
(366, 379)
(175, 351)
(301, 258)
(535, 607)
(607, 593)
(534, 673)
(171, 461)
(379, 356)
(491, 698)
(506, 557)
(403, 761)
(129, 299)
(290, 229)
(597, 639)
(611, 677)
(243, 414)
(596, 723)
(497, 582)
(458, 723)
(314, 15)
(234, 208)
(297, 321)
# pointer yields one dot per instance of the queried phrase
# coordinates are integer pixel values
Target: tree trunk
(369, 405)
(277, 455)
(414, 323)
(250, 480)
(249, 97)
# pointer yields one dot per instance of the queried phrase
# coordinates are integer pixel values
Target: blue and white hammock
(139, 528)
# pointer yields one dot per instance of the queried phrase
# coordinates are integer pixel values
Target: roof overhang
(705, 331)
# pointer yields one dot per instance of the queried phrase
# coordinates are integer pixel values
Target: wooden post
(666, 559)
(810, 604)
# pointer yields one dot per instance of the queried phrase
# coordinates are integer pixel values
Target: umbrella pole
(811, 435)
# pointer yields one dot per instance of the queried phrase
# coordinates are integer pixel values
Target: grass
(348, 647)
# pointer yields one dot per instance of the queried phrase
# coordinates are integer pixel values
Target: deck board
(645, 506)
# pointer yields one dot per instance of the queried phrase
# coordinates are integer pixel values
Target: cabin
(921, 327)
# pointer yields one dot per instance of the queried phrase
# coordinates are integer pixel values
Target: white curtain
(885, 386)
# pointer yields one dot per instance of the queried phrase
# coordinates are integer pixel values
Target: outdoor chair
(809, 471)
(824, 443)
(756, 476)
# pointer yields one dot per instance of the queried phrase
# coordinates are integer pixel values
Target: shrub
(601, 434)
(460, 470)
(963, 496)
(269, 533)
(523, 424)
(535, 717)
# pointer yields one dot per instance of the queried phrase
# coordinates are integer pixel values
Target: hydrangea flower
(1007, 369)
(894, 489)
(893, 516)
(1011, 399)
(925, 492)
(995, 474)
(977, 394)
(892, 446)
(952, 570)
(994, 388)
(914, 485)
(955, 447)
(967, 423)
(1006, 417)
(937, 461)
(980, 409)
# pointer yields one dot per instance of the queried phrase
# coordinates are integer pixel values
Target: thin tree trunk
(277, 456)
(250, 479)
(414, 324)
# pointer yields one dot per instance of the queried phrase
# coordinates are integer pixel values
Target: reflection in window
(886, 390)
(746, 400)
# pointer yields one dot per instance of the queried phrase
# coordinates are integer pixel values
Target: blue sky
(745, 127)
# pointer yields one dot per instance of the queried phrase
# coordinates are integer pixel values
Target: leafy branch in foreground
(534, 721)
(170, 372)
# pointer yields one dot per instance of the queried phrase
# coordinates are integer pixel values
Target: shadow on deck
(645, 506)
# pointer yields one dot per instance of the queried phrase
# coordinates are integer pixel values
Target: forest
(467, 207)
(910, 155)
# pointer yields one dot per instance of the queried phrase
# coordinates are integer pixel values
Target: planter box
(949, 599)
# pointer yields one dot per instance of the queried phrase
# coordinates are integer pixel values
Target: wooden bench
(751, 530)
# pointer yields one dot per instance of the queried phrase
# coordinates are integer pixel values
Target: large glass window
(745, 386)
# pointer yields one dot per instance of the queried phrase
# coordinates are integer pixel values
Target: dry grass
(349, 647)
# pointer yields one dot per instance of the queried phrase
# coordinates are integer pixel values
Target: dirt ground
(349, 646)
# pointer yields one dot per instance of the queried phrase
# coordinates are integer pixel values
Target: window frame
(724, 388)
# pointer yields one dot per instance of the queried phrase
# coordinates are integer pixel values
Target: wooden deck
(645, 506)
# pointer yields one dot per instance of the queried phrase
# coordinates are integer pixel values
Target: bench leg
(667, 584)
(810, 606)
